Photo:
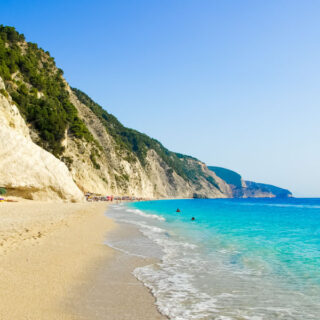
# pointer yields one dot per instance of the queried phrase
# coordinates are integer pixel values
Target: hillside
(229, 176)
(62, 143)
(98, 152)
(253, 188)
(248, 189)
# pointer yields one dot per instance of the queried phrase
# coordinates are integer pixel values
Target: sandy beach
(54, 265)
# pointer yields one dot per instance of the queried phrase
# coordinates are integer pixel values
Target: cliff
(248, 189)
(69, 142)
(254, 189)
(56, 142)
(26, 169)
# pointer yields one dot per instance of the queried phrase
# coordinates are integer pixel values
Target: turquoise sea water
(240, 258)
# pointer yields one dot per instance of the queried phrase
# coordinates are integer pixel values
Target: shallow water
(240, 259)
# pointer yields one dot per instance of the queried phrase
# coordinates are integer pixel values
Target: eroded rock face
(118, 176)
(29, 171)
(26, 169)
(248, 189)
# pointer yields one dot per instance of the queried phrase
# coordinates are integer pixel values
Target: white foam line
(145, 215)
(124, 251)
(282, 205)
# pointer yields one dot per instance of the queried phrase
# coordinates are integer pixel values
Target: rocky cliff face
(119, 171)
(55, 142)
(248, 189)
(58, 143)
(262, 190)
(27, 170)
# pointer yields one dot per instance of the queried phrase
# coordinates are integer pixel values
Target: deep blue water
(239, 259)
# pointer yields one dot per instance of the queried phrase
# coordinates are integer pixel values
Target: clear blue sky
(233, 83)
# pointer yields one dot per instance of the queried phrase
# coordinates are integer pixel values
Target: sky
(233, 83)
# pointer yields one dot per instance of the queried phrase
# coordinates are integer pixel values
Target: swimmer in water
(178, 210)
(193, 218)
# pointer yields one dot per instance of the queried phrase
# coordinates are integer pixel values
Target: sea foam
(240, 259)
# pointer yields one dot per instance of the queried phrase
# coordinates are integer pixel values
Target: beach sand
(54, 265)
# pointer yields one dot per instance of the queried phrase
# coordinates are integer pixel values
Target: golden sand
(49, 252)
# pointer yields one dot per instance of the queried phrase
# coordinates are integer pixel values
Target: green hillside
(278, 192)
(229, 176)
(252, 189)
(38, 88)
(139, 143)
(131, 139)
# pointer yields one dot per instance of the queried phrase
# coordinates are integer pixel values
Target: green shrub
(3, 191)
(68, 161)
(229, 176)
(52, 114)
(132, 140)
(138, 144)
(96, 165)
(4, 93)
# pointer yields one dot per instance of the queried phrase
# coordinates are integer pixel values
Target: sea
(238, 259)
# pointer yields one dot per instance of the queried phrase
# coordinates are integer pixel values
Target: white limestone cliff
(26, 169)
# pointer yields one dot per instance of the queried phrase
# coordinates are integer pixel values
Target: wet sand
(113, 293)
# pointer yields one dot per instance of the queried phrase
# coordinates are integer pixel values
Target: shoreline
(55, 265)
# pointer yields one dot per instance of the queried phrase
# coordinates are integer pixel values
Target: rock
(26, 169)
(2, 86)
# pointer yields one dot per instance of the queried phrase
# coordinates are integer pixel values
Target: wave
(281, 205)
(146, 215)
(176, 296)
(188, 283)
(109, 244)
(117, 207)
(170, 283)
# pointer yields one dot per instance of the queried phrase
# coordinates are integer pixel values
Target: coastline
(55, 265)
